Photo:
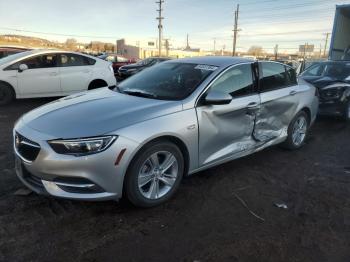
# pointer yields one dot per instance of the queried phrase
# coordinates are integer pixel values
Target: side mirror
(217, 98)
(22, 67)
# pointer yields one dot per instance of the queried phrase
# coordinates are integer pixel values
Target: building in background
(149, 48)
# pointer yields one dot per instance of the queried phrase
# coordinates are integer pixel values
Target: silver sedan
(141, 137)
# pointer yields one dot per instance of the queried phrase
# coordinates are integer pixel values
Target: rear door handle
(53, 74)
(292, 93)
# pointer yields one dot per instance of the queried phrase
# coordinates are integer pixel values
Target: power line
(57, 34)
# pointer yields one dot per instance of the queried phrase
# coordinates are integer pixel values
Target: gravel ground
(205, 221)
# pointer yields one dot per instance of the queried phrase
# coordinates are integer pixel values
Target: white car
(46, 73)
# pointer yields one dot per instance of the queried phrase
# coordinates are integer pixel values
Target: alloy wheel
(158, 175)
(299, 130)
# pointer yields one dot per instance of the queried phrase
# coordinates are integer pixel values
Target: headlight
(83, 146)
(332, 93)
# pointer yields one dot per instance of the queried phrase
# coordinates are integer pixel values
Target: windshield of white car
(13, 57)
(166, 81)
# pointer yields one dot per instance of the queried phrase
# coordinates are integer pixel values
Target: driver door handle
(292, 93)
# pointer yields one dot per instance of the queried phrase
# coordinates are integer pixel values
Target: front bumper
(92, 177)
(333, 107)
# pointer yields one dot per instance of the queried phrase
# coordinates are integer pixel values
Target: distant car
(117, 61)
(129, 70)
(6, 51)
(179, 117)
(46, 73)
(332, 79)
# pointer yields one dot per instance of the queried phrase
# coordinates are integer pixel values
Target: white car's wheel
(6, 94)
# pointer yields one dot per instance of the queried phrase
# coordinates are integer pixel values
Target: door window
(237, 81)
(75, 60)
(37, 62)
(274, 76)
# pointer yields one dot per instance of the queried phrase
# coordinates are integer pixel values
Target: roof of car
(221, 61)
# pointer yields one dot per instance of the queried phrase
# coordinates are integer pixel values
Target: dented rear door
(279, 95)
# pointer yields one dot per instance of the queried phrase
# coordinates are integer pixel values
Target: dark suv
(332, 79)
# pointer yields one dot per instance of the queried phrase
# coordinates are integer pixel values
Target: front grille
(27, 148)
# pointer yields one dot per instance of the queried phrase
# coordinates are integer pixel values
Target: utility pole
(187, 44)
(160, 26)
(167, 46)
(276, 52)
(305, 46)
(325, 45)
(235, 30)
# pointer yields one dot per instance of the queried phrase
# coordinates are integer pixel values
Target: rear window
(274, 76)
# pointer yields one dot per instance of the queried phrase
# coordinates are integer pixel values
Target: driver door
(226, 130)
(41, 78)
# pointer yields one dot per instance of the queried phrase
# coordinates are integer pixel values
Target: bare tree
(256, 50)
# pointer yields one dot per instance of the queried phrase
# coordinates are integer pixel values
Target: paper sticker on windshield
(206, 67)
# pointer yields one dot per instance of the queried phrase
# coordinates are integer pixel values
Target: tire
(346, 114)
(144, 168)
(6, 94)
(294, 141)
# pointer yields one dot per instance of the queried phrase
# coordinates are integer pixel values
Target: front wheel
(154, 175)
(297, 131)
(6, 95)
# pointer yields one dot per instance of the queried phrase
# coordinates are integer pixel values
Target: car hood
(95, 113)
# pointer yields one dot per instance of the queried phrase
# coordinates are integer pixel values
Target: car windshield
(168, 81)
(13, 57)
(145, 61)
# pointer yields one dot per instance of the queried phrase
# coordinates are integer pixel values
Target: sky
(264, 23)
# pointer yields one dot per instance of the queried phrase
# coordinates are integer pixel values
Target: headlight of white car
(83, 146)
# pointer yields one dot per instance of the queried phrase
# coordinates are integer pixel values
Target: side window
(37, 62)
(75, 60)
(237, 81)
(274, 76)
(315, 70)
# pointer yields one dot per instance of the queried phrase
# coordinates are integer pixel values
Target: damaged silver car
(177, 118)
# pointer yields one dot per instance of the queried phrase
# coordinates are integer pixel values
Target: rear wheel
(6, 94)
(154, 175)
(297, 131)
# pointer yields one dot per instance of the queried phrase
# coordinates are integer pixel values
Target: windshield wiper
(139, 93)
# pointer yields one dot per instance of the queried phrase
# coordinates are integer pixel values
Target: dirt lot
(205, 221)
